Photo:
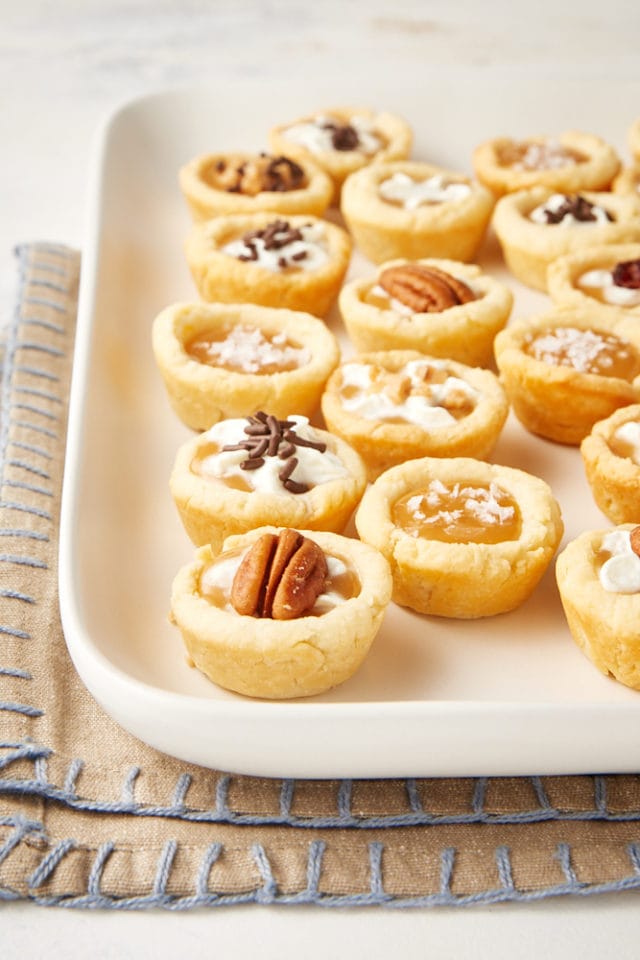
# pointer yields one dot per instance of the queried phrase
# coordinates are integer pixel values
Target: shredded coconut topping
(584, 350)
(484, 504)
(246, 349)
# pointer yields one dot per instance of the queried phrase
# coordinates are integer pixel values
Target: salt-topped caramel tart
(463, 538)
(608, 277)
(397, 405)
(442, 308)
(244, 473)
(342, 140)
(281, 613)
(224, 360)
(537, 226)
(217, 184)
(571, 162)
(598, 576)
(567, 369)
(298, 263)
(413, 210)
(611, 455)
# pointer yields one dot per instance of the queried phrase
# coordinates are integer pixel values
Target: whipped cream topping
(620, 573)
(425, 409)
(313, 467)
(547, 212)
(409, 193)
(247, 350)
(303, 248)
(603, 281)
(217, 580)
(629, 435)
(318, 135)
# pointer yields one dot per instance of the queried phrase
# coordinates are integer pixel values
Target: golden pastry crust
(563, 275)
(614, 480)
(595, 172)
(395, 133)
(461, 580)
(201, 393)
(222, 278)
(383, 444)
(530, 247)
(385, 231)
(634, 139)
(628, 181)
(560, 402)
(603, 624)
(463, 333)
(211, 510)
(206, 199)
(278, 659)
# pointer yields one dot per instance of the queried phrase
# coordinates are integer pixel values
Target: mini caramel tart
(398, 405)
(244, 473)
(463, 538)
(537, 226)
(342, 140)
(218, 184)
(298, 263)
(220, 361)
(567, 369)
(598, 576)
(628, 181)
(634, 140)
(326, 597)
(611, 455)
(607, 276)
(571, 162)
(415, 210)
(441, 308)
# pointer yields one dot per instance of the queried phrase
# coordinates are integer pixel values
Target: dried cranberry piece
(627, 274)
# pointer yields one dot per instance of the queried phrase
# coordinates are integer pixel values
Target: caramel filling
(459, 513)
(246, 350)
(233, 480)
(528, 155)
(587, 351)
(215, 583)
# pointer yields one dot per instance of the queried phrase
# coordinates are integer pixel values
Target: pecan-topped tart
(413, 210)
(397, 405)
(343, 139)
(463, 538)
(298, 263)
(570, 162)
(281, 613)
(598, 576)
(244, 473)
(228, 360)
(441, 308)
(216, 184)
(537, 226)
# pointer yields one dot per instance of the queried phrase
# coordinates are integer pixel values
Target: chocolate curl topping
(578, 207)
(268, 436)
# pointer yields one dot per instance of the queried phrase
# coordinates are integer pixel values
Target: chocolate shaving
(627, 274)
(275, 236)
(578, 207)
(268, 436)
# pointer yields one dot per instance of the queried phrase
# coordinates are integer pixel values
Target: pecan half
(280, 577)
(424, 289)
(634, 539)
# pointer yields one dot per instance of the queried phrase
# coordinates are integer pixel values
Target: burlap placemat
(89, 816)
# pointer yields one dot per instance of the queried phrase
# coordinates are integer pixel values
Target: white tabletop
(64, 66)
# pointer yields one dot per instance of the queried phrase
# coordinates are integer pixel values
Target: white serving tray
(506, 695)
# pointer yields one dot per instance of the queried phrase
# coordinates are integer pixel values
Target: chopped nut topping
(268, 436)
(627, 274)
(261, 174)
(280, 577)
(424, 289)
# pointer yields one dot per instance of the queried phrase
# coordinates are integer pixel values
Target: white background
(62, 67)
